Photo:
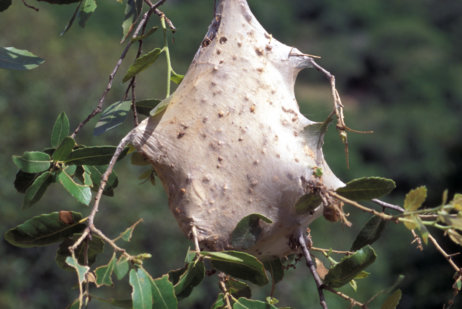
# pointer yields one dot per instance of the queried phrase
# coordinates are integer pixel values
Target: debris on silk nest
(230, 144)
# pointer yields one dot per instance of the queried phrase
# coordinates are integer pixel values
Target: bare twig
(84, 235)
(160, 13)
(107, 239)
(226, 294)
(99, 107)
(30, 6)
(195, 239)
(331, 251)
(448, 257)
(363, 208)
(388, 205)
(352, 301)
(417, 240)
(123, 143)
(312, 268)
(338, 108)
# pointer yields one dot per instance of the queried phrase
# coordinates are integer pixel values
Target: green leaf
(18, 59)
(80, 269)
(45, 229)
(307, 203)
(127, 234)
(104, 273)
(422, 230)
(160, 108)
(366, 188)
(86, 176)
(238, 264)
(112, 117)
(33, 161)
(80, 192)
(244, 303)
(86, 9)
(247, 231)
(132, 12)
(90, 248)
(75, 304)
(24, 180)
(141, 289)
(121, 267)
(142, 63)
(35, 192)
(4, 4)
(415, 198)
(349, 267)
(60, 130)
(71, 20)
(144, 107)
(64, 149)
(176, 78)
(93, 155)
(163, 293)
(193, 275)
(238, 288)
(275, 268)
(96, 173)
(455, 236)
(457, 201)
(220, 302)
(369, 233)
(392, 301)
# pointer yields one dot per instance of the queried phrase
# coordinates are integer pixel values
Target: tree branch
(363, 208)
(446, 256)
(139, 28)
(312, 268)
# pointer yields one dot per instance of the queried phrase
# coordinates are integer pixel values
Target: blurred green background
(398, 68)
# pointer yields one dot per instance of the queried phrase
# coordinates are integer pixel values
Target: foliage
(79, 170)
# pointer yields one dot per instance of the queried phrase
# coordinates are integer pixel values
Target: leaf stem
(167, 55)
(327, 251)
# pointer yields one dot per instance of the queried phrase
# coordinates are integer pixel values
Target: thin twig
(195, 239)
(338, 106)
(160, 13)
(107, 239)
(363, 208)
(30, 6)
(84, 235)
(312, 268)
(352, 301)
(331, 251)
(99, 107)
(388, 205)
(123, 143)
(446, 256)
(225, 291)
(417, 240)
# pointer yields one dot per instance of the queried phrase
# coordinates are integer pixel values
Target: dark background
(398, 68)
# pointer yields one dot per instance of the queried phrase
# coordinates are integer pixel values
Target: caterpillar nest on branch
(232, 142)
